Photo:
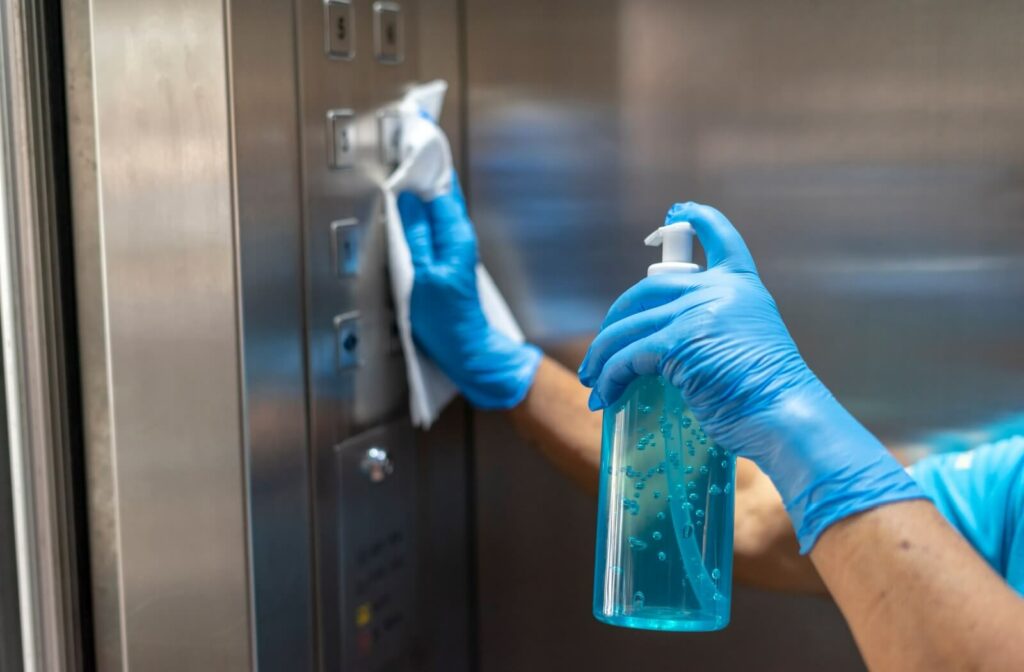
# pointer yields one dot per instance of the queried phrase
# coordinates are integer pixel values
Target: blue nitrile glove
(490, 369)
(981, 493)
(717, 336)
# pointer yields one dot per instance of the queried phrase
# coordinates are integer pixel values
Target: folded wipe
(425, 169)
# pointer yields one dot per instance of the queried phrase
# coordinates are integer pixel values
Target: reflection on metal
(216, 244)
(871, 155)
(871, 158)
(39, 380)
(154, 209)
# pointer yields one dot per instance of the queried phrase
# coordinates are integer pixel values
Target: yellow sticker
(364, 614)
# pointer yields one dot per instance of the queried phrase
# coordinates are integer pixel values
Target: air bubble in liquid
(703, 469)
(637, 544)
(687, 531)
(638, 600)
(700, 513)
(725, 464)
(656, 535)
(693, 497)
(715, 490)
(661, 515)
(716, 574)
(662, 556)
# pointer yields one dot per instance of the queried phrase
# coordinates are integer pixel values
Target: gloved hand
(717, 336)
(490, 369)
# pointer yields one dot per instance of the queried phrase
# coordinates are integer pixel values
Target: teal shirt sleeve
(981, 493)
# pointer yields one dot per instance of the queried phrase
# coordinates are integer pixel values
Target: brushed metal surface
(164, 421)
(264, 107)
(45, 604)
(869, 152)
(355, 377)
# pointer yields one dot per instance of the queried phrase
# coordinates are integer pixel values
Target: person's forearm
(916, 596)
(554, 417)
(766, 554)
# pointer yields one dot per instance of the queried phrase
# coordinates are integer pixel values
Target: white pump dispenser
(676, 240)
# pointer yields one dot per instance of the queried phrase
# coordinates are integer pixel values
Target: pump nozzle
(676, 240)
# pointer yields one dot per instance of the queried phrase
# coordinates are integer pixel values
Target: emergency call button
(339, 28)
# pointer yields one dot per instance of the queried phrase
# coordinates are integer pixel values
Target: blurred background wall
(870, 152)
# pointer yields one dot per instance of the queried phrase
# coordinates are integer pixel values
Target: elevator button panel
(339, 26)
(388, 38)
(346, 334)
(341, 139)
(374, 544)
(346, 236)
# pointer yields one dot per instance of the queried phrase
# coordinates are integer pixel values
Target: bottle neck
(663, 267)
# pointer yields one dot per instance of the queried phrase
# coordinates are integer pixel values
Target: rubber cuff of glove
(828, 501)
(515, 387)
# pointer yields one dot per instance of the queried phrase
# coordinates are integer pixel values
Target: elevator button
(377, 464)
(346, 333)
(346, 236)
(388, 34)
(341, 139)
(339, 23)
(389, 135)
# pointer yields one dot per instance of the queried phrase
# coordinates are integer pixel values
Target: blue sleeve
(981, 493)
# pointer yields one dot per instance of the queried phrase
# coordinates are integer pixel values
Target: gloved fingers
(723, 245)
(417, 228)
(453, 235)
(639, 358)
(651, 292)
(622, 333)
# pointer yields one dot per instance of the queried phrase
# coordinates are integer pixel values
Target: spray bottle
(665, 516)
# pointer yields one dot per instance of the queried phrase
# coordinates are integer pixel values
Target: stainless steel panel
(371, 614)
(40, 561)
(870, 153)
(356, 378)
(269, 220)
(163, 361)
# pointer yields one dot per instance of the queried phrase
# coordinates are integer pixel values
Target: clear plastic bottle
(665, 516)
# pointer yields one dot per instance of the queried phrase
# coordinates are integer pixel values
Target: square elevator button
(388, 32)
(341, 139)
(339, 25)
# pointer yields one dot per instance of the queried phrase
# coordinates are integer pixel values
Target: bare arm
(554, 417)
(916, 595)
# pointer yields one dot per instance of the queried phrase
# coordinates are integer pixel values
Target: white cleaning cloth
(425, 168)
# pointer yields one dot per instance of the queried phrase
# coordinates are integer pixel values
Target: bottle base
(664, 619)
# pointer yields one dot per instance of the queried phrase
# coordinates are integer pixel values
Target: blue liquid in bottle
(665, 517)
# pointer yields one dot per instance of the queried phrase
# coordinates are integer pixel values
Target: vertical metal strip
(37, 303)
